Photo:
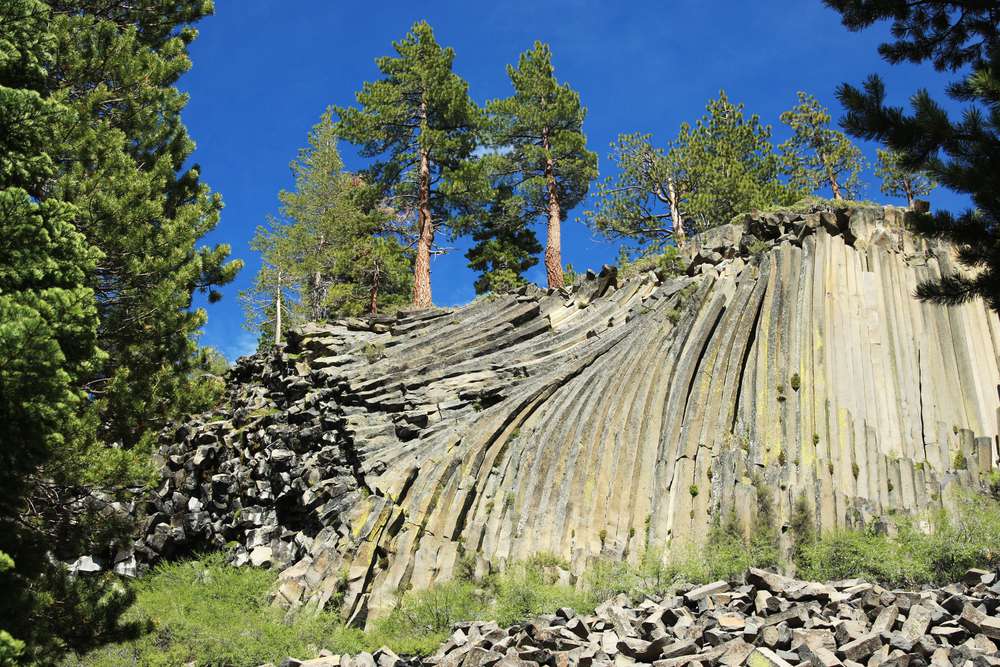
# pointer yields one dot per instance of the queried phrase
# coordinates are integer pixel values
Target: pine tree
(48, 345)
(817, 155)
(99, 221)
(725, 165)
(964, 154)
(420, 117)
(539, 135)
(642, 201)
(505, 246)
(125, 166)
(328, 254)
(898, 181)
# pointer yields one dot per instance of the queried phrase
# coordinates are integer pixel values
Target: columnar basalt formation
(369, 456)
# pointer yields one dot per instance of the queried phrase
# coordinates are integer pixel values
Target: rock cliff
(368, 456)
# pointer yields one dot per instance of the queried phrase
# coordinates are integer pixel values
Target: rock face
(839, 624)
(368, 456)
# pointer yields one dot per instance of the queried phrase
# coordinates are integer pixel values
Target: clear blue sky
(264, 71)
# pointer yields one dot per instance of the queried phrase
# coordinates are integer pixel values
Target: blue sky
(265, 70)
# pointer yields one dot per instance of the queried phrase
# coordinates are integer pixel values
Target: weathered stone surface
(595, 421)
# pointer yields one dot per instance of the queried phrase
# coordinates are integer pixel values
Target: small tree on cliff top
(420, 118)
(505, 246)
(641, 202)
(542, 148)
(900, 181)
(818, 155)
(326, 255)
(725, 165)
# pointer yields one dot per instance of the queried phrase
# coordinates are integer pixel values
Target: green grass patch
(208, 612)
(212, 614)
(911, 557)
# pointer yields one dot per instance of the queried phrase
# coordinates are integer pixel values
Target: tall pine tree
(125, 165)
(964, 154)
(100, 219)
(49, 323)
(420, 120)
(539, 135)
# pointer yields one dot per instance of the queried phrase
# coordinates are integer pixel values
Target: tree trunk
(908, 189)
(277, 312)
(425, 226)
(373, 294)
(317, 299)
(675, 215)
(553, 251)
(833, 181)
(316, 289)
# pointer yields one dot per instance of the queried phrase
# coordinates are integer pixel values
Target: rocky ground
(768, 621)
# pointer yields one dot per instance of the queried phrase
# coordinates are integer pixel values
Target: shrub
(693, 490)
(912, 557)
(524, 590)
(569, 276)
(795, 382)
(959, 462)
(431, 612)
(373, 352)
(993, 483)
(802, 528)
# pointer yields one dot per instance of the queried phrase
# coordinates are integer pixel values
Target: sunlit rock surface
(369, 456)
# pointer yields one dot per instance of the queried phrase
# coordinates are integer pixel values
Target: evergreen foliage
(642, 201)
(719, 167)
(505, 246)
(542, 151)
(99, 218)
(327, 254)
(963, 154)
(898, 181)
(419, 118)
(817, 155)
(123, 163)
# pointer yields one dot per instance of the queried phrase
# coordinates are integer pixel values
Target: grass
(207, 612)
(911, 557)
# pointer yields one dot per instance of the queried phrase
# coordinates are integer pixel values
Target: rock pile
(769, 621)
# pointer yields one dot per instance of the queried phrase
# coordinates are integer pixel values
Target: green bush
(422, 619)
(802, 527)
(993, 484)
(525, 590)
(912, 557)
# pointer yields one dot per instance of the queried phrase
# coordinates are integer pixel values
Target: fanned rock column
(370, 456)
